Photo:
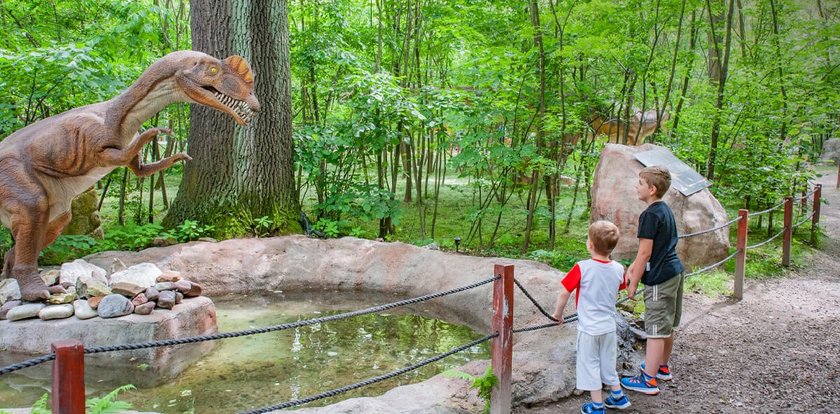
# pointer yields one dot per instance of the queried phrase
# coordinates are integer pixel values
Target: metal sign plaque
(683, 177)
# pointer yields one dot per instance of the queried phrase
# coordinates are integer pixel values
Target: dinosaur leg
(29, 208)
(145, 170)
(121, 156)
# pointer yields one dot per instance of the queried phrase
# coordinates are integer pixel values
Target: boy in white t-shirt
(597, 281)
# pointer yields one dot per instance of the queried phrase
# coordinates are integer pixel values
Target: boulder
(114, 306)
(614, 198)
(80, 269)
(142, 274)
(831, 150)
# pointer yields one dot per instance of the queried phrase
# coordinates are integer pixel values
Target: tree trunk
(241, 174)
(721, 84)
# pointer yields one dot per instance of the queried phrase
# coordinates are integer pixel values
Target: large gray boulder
(831, 150)
(614, 198)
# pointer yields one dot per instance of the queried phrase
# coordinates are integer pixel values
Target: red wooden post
(741, 257)
(787, 236)
(502, 348)
(815, 220)
(68, 377)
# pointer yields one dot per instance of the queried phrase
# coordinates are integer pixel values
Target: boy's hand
(558, 316)
(631, 291)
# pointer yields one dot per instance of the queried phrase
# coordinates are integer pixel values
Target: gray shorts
(596, 359)
(663, 307)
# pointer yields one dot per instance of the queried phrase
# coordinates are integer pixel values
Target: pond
(266, 369)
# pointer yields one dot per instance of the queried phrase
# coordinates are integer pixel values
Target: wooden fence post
(815, 220)
(68, 377)
(741, 256)
(787, 236)
(502, 347)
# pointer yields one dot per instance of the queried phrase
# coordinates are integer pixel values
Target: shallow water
(267, 369)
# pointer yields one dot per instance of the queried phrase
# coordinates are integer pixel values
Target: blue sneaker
(589, 408)
(664, 373)
(641, 383)
(618, 404)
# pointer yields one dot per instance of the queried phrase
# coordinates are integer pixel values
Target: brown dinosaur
(46, 164)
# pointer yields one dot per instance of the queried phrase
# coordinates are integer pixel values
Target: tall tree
(238, 176)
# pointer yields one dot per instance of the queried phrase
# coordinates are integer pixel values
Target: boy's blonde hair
(603, 235)
(657, 176)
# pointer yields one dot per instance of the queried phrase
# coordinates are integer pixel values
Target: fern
(109, 403)
(484, 383)
(40, 406)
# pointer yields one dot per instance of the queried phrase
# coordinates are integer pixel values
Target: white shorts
(596, 359)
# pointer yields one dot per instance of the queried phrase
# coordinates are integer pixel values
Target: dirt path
(777, 351)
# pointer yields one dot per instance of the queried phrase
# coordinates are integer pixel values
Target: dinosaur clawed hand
(181, 157)
(33, 288)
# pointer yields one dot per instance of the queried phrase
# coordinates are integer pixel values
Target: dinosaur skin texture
(46, 164)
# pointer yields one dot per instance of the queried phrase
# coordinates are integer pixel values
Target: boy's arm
(637, 269)
(562, 299)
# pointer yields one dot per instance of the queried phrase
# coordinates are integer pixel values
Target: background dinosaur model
(45, 165)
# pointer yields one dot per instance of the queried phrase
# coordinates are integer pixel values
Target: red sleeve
(624, 281)
(572, 279)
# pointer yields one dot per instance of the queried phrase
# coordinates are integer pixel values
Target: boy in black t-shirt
(659, 268)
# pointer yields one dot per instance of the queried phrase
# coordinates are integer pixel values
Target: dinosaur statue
(46, 164)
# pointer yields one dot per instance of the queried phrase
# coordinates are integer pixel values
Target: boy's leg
(587, 364)
(597, 396)
(654, 353)
(669, 342)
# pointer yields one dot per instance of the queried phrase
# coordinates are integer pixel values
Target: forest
(431, 121)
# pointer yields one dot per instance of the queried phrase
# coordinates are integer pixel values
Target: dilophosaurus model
(45, 165)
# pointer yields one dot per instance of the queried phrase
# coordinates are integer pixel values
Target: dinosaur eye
(214, 70)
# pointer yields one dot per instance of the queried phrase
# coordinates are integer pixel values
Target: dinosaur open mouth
(240, 108)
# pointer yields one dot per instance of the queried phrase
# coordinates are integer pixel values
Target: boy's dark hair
(657, 176)
(603, 235)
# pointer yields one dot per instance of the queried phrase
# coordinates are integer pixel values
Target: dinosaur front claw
(33, 288)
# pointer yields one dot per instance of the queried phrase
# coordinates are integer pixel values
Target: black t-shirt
(657, 223)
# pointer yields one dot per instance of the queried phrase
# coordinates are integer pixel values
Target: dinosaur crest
(240, 66)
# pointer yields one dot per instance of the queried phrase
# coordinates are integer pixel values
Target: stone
(94, 301)
(114, 306)
(614, 198)
(116, 266)
(166, 300)
(169, 276)
(160, 287)
(29, 310)
(92, 288)
(432, 246)
(152, 294)
(145, 308)
(195, 290)
(143, 274)
(51, 277)
(7, 307)
(61, 298)
(9, 290)
(139, 300)
(207, 240)
(83, 310)
(164, 241)
(56, 312)
(127, 289)
(70, 272)
(86, 219)
(182, 286)
(178, 297)
(831, 150)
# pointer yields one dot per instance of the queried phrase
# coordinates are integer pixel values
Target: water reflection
(260, 370)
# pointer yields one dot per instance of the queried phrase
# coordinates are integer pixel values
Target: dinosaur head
(226, 85)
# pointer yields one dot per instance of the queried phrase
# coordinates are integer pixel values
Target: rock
(127, 289)
(195, 290)
(164, 241)
(143, 274)
(614, 198)
(92, 288)
(152, 294)
(51, 277)
(94, 302)
(182, 286)
(139, 300)
(9, 290)
(56, 312)
(30, 310)
(831, 150)
(7, 307)
(167, 299)
(70, 272)
(207, 240)
(178, 297)
(160, 287)
(86, 219)
(61, 298)
(83, 310)
(116, 266)
(114, 305)
(432, 246)
(145, 308)
(169, 276)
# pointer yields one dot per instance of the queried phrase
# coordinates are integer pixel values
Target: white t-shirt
(597, 283)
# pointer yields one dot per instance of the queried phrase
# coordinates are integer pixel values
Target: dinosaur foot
(33, 288)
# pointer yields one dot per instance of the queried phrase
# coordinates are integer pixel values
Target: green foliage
(330, 228)
(67, 248)
(191, 230)
(109, 403)
(710, 284)
(483, 384)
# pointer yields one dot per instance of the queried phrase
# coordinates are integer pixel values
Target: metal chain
(369, 381)
(683, 236)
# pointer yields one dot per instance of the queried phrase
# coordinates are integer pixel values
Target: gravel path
(777, 351)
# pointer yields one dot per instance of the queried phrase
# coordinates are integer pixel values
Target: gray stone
(178, 297)
(182, 286)
(83, 310)
(166, 299)
(92, 288)
(127, 289)
(9, 290)
(8, 306)
(139, 300)
(71, 272)
(164, 241)
(160, 287)
(51, 277)
(143, 274)
(113, 306)
(614, 198)
(152, 294)
(169, 276)
(29, 310)
(56, 312)
(116, 266)
(145, 308)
